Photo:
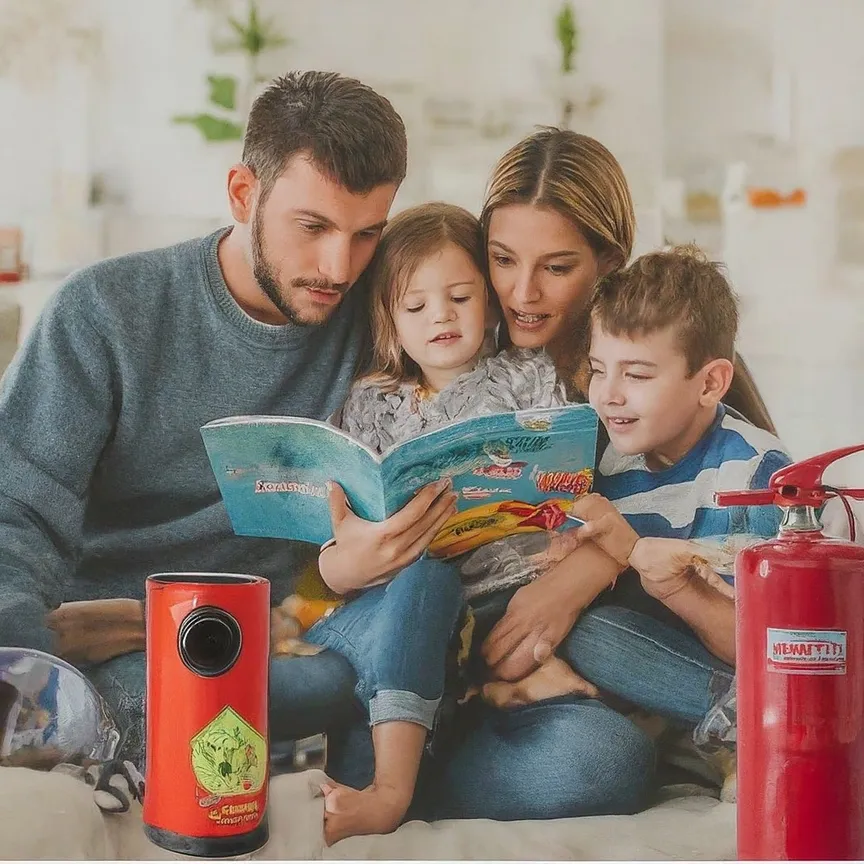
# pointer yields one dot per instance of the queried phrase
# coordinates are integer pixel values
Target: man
(105, 476)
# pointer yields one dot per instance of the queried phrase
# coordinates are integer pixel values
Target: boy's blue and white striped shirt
(679, 501)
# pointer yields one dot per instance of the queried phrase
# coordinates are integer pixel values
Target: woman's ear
(717, 379)
(607, 263)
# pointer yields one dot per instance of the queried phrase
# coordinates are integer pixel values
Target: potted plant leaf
(230, 96)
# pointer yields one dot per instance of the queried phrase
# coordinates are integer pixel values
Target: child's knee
(429, 576)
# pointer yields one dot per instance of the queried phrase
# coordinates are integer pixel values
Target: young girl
(431, 365)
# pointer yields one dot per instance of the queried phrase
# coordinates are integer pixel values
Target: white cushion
(50, 816)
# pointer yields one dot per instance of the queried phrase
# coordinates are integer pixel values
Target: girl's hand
(368, 552)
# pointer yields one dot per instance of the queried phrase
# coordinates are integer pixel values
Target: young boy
(661, 360)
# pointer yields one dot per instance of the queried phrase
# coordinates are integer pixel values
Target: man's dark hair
(352, 134)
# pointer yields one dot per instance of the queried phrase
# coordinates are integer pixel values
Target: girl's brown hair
(409, 239)
(579, 178)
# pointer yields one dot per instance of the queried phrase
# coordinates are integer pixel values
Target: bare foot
(350, 812)
(553, 678)
(285, 632)
(725, 760)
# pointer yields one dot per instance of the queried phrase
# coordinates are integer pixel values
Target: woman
(558, 216)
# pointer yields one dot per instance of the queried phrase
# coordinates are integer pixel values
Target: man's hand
(606, 527)
(667, 566)
(369, 552)
(93, 631)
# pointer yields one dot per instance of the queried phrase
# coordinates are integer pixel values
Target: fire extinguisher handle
(746, 498)
(796, 484)
(807, 474)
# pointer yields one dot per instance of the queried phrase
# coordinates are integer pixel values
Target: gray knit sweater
(513, 380)
(105, 478)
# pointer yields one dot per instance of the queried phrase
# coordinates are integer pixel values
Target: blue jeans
(554, 759)
(308, 695)
(562, 757)
(645, 662)
(396, 636)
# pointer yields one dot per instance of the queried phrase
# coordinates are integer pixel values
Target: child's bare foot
(350, 812)
(553, 678)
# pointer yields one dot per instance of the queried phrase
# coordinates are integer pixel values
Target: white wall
(800, 314)
(496, 53)
(687, 82)
(717, 78)
(487, 50)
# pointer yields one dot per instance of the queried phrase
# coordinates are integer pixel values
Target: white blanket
(51, 816)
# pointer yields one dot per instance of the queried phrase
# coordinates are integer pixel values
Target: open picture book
(512, 472)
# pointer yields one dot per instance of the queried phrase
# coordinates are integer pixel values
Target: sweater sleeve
(57, 411)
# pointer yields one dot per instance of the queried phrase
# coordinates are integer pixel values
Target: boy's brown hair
(679, 287)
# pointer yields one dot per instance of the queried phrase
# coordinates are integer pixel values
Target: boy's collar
(614, 462)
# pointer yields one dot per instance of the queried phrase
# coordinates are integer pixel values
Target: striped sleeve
(765, 521)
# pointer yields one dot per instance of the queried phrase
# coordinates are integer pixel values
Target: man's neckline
(275, 335)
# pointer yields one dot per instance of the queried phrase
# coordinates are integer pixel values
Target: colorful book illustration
(513, 472)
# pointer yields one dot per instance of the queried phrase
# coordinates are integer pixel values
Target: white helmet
(50, 713)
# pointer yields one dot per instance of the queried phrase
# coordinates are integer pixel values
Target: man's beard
(267, 282)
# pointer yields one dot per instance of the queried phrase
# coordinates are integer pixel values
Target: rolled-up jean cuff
(387, 706)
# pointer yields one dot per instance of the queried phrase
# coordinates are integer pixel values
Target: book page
(512, 472)
(273, 475)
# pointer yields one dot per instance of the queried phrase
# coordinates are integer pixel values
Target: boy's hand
(366, 552)
(606, 527)
(666, 566)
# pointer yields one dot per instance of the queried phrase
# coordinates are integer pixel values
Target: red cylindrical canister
(207, 768)
(800, 675)
(800, 681)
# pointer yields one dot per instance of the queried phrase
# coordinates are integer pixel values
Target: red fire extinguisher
(800, 676)
(207, 772)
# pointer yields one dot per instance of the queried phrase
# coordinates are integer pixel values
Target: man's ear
(717, 379)
(242, 189)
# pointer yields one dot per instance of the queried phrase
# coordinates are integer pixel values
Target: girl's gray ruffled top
(510, 381)
(513, 380)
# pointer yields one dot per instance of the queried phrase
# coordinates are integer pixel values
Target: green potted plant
(572, 93)
(230, 96)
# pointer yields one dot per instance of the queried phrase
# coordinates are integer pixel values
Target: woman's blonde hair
(579, 178)
(408, 240)
(574, 175)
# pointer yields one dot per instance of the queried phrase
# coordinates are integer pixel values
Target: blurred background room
(738, 122)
